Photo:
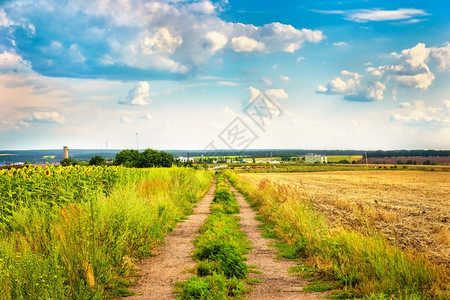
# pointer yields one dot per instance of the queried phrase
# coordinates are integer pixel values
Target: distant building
(66, 152)
(312, 158)
(185, 159)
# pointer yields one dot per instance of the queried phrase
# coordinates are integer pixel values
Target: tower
(66, 152)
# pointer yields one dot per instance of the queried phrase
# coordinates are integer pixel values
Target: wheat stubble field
(410, 208)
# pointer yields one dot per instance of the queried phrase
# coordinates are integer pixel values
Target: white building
(185, 159)
(312, 158)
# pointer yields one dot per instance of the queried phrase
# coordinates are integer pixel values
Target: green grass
(337, 158)
(76, 232)
(220, 247)
(363, 264)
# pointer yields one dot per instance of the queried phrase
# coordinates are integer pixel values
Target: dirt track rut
(160, 272)
(276, 282)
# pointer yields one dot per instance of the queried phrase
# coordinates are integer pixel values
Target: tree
(97, 161)
(128, 158)
(67, 162)
(147, 159)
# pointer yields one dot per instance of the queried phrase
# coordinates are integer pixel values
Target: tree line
(149, 158)
(406, 153)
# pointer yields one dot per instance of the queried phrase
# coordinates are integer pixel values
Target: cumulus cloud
(246, 44)
(352, 88)
(418, 113)
(142, 39)
(277, 94)
(11, 62)
(139, 96)
(377, 15)
(410, 69)
(204, 7)
(47, 117)
(162, 41)
(217, 40)
(273, 94)
(441, 56)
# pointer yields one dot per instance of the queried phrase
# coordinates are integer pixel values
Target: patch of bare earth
(410, 208)
(276, 282)
(159, 273)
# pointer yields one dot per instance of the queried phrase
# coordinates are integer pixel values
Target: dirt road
(276, 282)
(160, 272)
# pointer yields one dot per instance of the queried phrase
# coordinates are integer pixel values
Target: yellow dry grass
(410, 208)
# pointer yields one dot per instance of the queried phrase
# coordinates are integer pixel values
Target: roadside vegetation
(357, 264)
(75, 232)
(220, 248)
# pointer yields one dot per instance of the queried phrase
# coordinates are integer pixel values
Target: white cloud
(442, 57)
(204, 7)
(254, 93)
(322, 89)
(417, 81)
(11, 62)
(246, 44)
(4, 21)
(282, 37)
(417, 113)
(285, 79)
(340, 44)
(217, 39)
(276, 94)
(411, 70)
(168, 38)
(139, 96)
(163, 41)
(352, 88)
(227, 83)
(365, 15)
(47, 117)
(299, 59)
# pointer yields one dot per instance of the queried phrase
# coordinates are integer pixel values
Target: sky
(174, 74)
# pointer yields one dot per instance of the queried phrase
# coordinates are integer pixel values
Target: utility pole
(137, 141)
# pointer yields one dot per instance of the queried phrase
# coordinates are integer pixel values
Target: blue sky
(343, 75)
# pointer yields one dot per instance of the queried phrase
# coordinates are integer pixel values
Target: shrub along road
(159, 273)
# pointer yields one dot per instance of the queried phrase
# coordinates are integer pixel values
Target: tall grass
(75, 233)
(362, 264)
(220, 247)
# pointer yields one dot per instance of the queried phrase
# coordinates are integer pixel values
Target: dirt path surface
(160, 272)
(276, 283)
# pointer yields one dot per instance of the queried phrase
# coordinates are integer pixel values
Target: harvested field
(410, 208)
